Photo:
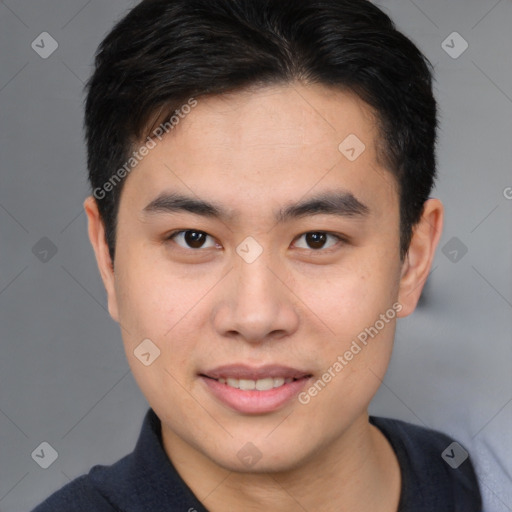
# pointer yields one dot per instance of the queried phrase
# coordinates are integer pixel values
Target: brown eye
(317, 239)
(194, 239)
(191, 239)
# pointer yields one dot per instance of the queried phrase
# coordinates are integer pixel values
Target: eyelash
(340, 238)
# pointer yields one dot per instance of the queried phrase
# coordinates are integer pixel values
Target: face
(258, 250)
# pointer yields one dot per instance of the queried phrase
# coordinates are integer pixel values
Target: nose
(257, 304)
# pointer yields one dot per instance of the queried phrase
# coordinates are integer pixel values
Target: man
(261, 216)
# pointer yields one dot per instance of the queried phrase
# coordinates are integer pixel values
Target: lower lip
(255, 402)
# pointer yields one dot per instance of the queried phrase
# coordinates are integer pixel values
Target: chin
(276, 463)
(262, 456)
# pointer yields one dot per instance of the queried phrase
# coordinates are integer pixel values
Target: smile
(259, 385)
(253, 390)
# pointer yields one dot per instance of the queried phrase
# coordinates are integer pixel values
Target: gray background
(64, 378)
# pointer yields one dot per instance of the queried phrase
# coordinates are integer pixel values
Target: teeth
(265, 384)
(279, 382)
(260, 384)
(233, 383)
(246, 385)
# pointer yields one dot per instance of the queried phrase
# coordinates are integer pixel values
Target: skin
(295, 305)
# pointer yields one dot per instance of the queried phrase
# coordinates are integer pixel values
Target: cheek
(158, 302)
(350, 298)
(149, 297)
(356, 304)
(156, 313)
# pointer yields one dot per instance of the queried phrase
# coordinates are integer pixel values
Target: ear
(418, 261)
(99, 244)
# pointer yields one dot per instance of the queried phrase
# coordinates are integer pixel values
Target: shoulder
(77, 496)
(436, 469)
(96, 491)
(142, 480)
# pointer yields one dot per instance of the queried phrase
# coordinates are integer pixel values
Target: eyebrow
(339, 203)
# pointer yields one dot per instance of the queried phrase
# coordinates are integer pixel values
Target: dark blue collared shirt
(146, 481)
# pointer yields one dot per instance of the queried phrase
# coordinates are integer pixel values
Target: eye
(190, 239)
(317, 240)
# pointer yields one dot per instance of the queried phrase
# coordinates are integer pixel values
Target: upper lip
(242, 371)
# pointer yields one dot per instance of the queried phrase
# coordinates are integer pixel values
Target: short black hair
(165, 52)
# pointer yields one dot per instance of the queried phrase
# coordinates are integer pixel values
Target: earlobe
(98, 241)
(418, 261)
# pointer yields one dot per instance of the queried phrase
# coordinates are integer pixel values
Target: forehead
(267, 143)
(293, 115)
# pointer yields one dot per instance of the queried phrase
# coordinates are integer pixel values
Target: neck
(358, 471)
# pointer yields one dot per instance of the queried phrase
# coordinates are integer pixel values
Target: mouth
(260, 385)
(255, 390)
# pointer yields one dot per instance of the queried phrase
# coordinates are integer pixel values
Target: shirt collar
(145, 479)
